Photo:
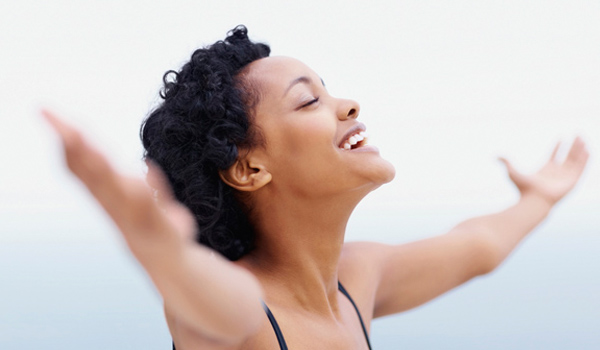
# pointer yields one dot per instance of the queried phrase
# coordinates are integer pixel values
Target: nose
(348, 109)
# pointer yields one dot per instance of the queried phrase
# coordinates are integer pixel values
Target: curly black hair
(196, 131)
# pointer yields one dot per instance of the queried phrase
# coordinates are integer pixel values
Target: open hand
(555, 179)
(141, 210)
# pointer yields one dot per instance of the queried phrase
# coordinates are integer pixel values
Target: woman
(269, 167)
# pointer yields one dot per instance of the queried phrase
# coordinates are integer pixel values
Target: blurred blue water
(95, 296)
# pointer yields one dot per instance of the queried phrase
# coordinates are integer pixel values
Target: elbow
(489, 264)
(483, 252)
(489, 255)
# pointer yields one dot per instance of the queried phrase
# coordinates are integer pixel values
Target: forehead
(272, 74)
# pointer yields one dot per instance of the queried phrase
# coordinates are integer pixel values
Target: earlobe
(246, 177)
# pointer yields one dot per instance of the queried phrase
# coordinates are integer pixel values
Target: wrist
(538, 201)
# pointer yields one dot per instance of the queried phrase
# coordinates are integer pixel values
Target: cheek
(308, 137)
(304, 153)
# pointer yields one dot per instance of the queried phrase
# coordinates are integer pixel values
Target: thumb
(506, 163)
(157, 180)
(178, 214)
(514, 175)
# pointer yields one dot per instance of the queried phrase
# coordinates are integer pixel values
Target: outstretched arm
(414, 273)
(539, 193)
(202, 291)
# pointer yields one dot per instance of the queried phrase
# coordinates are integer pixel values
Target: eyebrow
(300, 80)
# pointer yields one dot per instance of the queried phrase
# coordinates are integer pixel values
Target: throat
(298, 244)
(298, 273)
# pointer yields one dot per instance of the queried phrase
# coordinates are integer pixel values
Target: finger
(128, 201)
(112, 190)
(179, 215)
(158, 181)
(555, 152)
(69, 136)
(64, 131)
(514, 175)
(580, 159)
(82, 159)
(507, 164)
(578, 153)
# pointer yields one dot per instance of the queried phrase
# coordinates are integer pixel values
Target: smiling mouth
(354, 141)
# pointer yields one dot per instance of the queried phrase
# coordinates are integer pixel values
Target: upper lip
(353, 130)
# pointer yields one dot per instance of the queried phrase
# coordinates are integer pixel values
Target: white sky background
(445, 87)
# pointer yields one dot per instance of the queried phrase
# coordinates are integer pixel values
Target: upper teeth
(354, 139)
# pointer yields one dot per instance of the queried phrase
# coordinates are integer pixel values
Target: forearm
(201, 289)
(501, 232)
(209, 294)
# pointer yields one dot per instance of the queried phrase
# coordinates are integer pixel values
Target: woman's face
(312, 140)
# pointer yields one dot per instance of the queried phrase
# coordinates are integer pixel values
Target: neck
(298, 247)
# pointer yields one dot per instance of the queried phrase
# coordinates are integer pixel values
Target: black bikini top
(281, 340)
(279, 334)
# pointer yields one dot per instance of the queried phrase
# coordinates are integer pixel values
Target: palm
(555, 179)
(129, 201)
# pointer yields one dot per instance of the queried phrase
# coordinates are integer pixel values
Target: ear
(245, 176)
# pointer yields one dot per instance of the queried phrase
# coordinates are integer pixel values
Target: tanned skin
(303, 184)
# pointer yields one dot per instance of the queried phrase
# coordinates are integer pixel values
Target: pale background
(445, 88)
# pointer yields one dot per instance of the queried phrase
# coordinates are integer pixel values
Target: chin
(383, 172)
(389, 173)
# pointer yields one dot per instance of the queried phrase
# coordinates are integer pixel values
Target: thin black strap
(280, 340)
(343, 290)
(279, 334)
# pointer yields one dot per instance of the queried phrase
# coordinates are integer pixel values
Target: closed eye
(315, 100)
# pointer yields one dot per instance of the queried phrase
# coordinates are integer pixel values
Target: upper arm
(186, 336)
(411, 274)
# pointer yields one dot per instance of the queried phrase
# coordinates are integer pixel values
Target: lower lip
(365, 148)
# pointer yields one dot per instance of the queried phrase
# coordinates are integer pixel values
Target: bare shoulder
(360, 272)
(359, 258)
(396, 278)
(361, 263)
(184, 337)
